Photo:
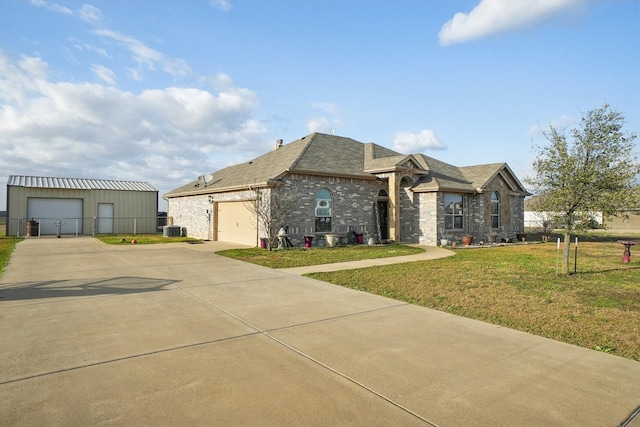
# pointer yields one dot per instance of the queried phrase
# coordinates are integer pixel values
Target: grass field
(6, 245)
(517, 287)
(298, 257)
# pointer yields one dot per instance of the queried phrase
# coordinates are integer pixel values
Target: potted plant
(444, 239)
(467, 240)
(332, 239)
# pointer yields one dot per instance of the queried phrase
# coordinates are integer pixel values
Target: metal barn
(78, 206)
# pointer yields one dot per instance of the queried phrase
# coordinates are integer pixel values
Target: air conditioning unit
(171, 231)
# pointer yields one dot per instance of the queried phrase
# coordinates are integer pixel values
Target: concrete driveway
(175, 335)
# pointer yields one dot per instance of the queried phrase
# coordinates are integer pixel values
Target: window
(495, 210)
(323, 211)
(453, 212)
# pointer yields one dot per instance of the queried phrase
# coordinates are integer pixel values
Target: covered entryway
(56, 216)
(236, 223)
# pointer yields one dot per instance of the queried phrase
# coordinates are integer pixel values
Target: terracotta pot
(467, 240)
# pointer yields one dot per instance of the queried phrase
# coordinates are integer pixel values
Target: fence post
(135, 223)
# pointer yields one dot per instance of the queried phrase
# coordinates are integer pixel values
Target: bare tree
(593, 171)
(270, 207)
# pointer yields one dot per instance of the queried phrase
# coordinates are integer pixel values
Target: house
(342, 185)
(627, 219)
(79, 206)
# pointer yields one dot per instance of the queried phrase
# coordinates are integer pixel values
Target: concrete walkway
(176, 335)
(430, 252)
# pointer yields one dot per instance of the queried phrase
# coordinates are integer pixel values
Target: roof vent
(278, 144)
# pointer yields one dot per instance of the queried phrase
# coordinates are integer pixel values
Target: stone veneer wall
(477, 215)
(191, 212)
(409, 216)
(429, 204)
(353, 201)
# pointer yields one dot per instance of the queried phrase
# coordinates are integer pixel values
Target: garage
(80, 206)
(56, 216)
(236, 224)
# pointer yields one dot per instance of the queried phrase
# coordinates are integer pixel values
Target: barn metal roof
(78, 183)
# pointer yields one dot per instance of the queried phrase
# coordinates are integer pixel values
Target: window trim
(451, 219)
(323, 201)
(494, 214)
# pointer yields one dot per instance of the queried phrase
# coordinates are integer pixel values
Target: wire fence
(36, 227)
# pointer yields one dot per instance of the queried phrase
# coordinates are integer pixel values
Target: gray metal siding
(141, 205)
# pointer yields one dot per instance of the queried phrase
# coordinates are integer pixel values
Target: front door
(383, 219)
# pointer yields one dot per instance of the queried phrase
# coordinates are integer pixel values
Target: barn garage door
(54, 213)
(236, 224)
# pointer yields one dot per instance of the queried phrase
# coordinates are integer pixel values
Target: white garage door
(65, 214)
(236, 224)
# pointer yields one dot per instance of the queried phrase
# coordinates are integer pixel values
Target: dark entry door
(383, 215)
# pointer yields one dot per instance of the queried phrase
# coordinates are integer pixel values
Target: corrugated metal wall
(128, 205)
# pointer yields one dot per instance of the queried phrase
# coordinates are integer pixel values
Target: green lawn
(517, 287)
(6, 247)
(298, 257)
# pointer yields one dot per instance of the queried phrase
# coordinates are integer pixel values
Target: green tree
(594, 170)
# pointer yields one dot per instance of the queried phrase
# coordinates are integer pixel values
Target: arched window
(495, 210)
(323, 211)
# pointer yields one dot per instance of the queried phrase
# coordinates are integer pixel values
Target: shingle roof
(77, 183)
(480, 175)
(442, 176)
(316, 154)
(331, 155)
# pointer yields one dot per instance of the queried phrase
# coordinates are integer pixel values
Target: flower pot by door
(332, 239)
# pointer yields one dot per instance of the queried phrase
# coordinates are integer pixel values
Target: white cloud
(145, 57)
(103, 73)
(82, 47)
(223, 5)
(496, 16)
(407, 142)
(79, 129)
(561, 123)
(327, 107)
(90, 14)
(51, 6)
(325, 124)
(319, 124)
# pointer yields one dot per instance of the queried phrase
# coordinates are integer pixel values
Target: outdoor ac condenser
(171, 231)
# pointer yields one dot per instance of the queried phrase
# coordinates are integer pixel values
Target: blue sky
(164, 91)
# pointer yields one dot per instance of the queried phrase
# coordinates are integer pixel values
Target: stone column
(394, 207)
